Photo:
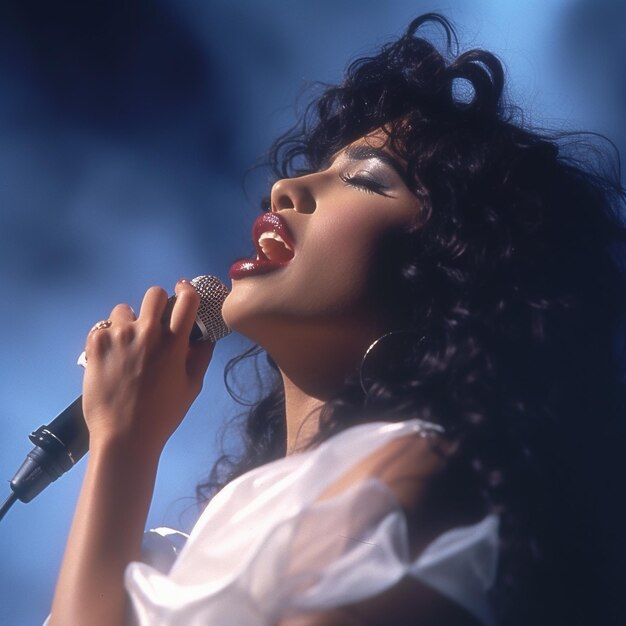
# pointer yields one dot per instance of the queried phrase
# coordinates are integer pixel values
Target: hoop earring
(384, 352)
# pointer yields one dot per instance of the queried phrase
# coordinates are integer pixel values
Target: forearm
(105, 536)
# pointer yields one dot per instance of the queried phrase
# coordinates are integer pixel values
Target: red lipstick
(274, 245)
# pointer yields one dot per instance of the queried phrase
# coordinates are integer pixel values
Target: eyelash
(364, 184)
(358, 182)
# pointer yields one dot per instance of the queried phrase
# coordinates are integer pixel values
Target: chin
(232, 310)
(244, 313)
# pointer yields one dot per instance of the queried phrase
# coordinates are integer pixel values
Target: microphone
(65, 440)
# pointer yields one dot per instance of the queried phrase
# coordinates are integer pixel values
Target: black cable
(8, 503)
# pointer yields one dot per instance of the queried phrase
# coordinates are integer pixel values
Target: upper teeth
(268, 243)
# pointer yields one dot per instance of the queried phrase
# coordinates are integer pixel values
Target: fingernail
(182, 281)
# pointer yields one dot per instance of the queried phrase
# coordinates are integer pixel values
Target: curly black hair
(514, 280)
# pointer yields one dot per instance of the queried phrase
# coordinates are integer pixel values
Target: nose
(293, 193)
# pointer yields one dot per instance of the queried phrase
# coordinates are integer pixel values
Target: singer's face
(335, 221)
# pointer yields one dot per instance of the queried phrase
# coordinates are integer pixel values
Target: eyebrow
(362, 153)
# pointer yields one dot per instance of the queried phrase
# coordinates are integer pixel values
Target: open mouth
(274, 246)
(272, 239)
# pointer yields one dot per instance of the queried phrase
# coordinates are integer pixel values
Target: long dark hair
(514, 281)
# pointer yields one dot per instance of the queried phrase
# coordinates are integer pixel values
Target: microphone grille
(212, 292)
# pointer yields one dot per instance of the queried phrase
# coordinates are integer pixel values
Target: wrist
(143, 431)
(124, 451)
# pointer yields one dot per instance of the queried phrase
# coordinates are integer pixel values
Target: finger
(98, 340)
(185, 309)
(153, 305)
(101, 325)
(122, 313)
(198, 359)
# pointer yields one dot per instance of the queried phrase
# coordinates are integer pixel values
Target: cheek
(336, 260)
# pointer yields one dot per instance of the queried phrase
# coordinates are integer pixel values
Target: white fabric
(161, 547)
(266, 548)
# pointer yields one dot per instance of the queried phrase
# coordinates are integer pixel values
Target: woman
(437, 290)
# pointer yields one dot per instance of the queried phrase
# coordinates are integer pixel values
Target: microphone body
(59, 445)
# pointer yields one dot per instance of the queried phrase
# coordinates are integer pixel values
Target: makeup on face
(379, 161)
(317, 260)
(274, 244)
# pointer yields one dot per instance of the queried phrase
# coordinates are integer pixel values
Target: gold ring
(101, 325)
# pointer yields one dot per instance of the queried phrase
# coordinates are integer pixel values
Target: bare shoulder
(414, 468)
(406, 465)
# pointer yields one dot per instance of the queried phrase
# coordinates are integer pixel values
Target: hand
(142, 374)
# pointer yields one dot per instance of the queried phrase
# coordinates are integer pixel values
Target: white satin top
(266, 548)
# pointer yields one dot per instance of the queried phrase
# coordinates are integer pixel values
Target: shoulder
(406, 465)
(418, 468)
(413, 467)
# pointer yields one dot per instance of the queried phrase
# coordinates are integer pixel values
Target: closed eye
(363, 183)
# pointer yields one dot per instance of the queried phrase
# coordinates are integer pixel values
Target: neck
(302, 412)
(312, 375)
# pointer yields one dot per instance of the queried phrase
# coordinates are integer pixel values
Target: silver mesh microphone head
(212, 292)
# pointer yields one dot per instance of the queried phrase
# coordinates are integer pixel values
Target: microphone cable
(8, 503)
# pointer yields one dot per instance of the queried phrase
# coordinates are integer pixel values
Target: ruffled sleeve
(266, 547)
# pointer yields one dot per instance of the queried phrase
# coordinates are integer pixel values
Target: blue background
(126, 129)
